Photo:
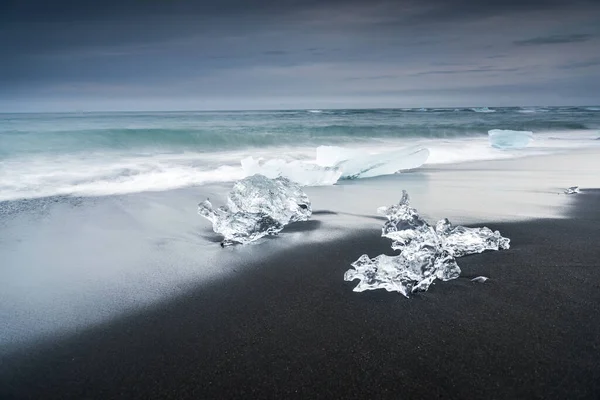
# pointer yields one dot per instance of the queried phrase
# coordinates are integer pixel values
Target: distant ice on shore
(508, 139)
(333, 163)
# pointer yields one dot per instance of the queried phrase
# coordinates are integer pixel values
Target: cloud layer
(182, 54)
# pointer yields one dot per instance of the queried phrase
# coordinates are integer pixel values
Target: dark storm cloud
(237, 50)
(554, 39)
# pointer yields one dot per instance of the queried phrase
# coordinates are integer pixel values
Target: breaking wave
(117, 153)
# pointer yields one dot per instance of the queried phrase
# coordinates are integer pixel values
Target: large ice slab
(333, 163)
(426, 252)
(300, 172)
(507, 139)
(372, 165)
(257, 206)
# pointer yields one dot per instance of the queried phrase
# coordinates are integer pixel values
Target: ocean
(97, 154)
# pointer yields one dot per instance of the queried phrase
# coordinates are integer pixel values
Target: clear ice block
(426, 253)
(257, 206)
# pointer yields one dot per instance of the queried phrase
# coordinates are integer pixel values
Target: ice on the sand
(426, 252)
(300, 172)
(480, 279)
(404, 274)
(507, 139)
(356, 164)
(463, 241)
(572, 190)
(257, 206)
(334, 163)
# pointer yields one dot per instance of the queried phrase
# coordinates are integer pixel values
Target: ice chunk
(572, 190)
(300, 172)
(401, 273)
(257, 206)
(405, 224)
(330, 156)
(507, 139)
(333, 163)
(426, 253)
(461, 241)
(355, 164)
(480, 279)
(384, 164)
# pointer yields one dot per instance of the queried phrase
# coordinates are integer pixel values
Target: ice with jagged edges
(506, 139)
(257, 206)
(300, 172)
(426, 252)
(462, 241)
(572, 190)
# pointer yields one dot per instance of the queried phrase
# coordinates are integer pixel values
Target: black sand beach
(292, 328)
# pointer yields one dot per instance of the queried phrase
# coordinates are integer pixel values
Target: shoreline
(289, 326)
(85, 261)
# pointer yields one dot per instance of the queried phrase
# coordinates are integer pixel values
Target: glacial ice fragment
(572, 190)
(405, 224)
(401, 273)
(507, 139)
(355, 164)
(462, 241)
(480, 279)
(300, 172)
(333, 163)
(426, 253)
(257, 206)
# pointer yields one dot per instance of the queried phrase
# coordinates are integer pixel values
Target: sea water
(95, 154)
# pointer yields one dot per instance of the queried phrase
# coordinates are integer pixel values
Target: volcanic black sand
(292, 328)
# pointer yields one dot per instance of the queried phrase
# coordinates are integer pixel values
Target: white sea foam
(483, 110)
(110, 173)
(96, 176)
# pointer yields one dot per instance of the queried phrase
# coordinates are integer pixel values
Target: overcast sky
(69, 55)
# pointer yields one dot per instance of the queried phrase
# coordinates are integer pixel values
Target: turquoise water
(108, 153)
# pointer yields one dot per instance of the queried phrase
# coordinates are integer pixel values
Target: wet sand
(290, 327)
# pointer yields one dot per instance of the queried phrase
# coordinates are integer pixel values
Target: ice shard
(402, 273)
(257, 206)
(572, 190)
(480, 279)
(426, 252)
(300, 172)
(405, 224)
(506, 139)
(355, 164)
(462, 241)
